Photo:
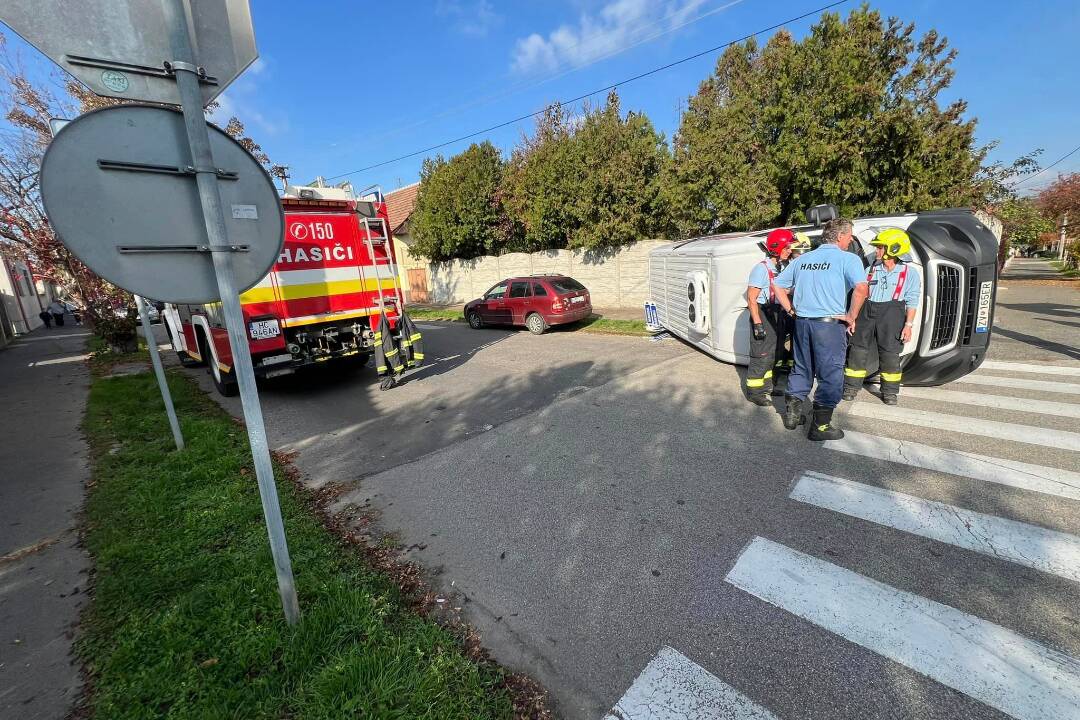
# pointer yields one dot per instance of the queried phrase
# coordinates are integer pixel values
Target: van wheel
(536, 324)
(224, 381)
(474, 320)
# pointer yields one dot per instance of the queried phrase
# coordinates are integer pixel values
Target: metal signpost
(159, 372)
(116, 183)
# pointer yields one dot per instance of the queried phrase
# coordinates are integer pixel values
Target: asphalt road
(618, 521)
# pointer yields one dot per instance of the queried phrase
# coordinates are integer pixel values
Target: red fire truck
(320, 301)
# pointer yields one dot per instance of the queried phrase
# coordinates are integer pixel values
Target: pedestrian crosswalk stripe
(1031, 368)
(1050, 551)
(998, 402)
(989, 663)
(1026, 476)
(969, 425)
(674, 686)
(1061, 388)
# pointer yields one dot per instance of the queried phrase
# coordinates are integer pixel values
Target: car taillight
(557, 305)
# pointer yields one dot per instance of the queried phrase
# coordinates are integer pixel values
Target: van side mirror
(821, 214)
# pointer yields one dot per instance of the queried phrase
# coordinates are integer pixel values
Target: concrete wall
(614, 279)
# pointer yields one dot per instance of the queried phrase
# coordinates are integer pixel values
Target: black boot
(850, 392)
(822, 427)
(888, 398)
(759, 398)
(793, 417)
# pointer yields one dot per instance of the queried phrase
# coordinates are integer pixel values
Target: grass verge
(594, 324)
(599, 324)
(447, 314)
(1065, 270)
(185, 620)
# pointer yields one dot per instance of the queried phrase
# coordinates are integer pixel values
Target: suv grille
(947, 311)
(972, 304)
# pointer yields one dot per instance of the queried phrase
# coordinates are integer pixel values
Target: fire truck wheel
(224, 381)
(536, 324)
(474, 321)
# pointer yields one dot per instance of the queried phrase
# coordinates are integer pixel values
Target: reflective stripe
(755, 382)
(381, 368)
(890, 377)
(391, 353)
(418, 356)
(855, 373)
(415, 336)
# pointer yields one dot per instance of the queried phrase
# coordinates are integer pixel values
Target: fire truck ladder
(376, 233)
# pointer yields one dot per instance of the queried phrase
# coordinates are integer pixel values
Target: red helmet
(778, 240)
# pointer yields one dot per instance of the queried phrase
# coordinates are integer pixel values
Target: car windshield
(566, 285)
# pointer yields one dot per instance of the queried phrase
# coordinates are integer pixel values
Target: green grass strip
(185, 620)
(594, 324)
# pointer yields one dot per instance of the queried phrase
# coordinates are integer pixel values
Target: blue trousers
(820, 352)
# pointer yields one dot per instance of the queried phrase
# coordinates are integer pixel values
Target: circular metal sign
(120, 192)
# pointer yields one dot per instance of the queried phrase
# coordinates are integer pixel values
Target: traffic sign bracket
(166, 169)
(182, 248)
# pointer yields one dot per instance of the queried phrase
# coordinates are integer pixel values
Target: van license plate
(264, 329)
(982, 322)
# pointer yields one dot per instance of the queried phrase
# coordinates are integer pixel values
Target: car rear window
(566, 285)
(519, 289)
(538, 290)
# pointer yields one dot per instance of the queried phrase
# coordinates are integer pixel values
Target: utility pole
(1061, 235)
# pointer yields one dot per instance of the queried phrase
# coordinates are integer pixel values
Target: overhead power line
(607, 88)
(1060, 160)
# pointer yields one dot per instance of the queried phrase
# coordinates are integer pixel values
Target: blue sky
(341, 85)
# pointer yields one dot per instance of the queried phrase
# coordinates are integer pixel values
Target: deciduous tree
(459, 213)
(849, 115)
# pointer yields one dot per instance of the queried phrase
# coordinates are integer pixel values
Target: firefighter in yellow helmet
(887, 317)
(800, 246)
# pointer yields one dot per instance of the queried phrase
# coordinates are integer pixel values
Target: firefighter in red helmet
(769, 323)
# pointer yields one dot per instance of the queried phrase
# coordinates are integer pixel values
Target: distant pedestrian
(46, 317)
(822, 279)
(57, 310)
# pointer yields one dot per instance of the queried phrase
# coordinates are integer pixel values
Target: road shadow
(1069, 351)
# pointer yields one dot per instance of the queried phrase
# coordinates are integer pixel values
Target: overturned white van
(698, 289)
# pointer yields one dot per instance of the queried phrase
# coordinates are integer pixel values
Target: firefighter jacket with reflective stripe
(387, 356)
(412, 344)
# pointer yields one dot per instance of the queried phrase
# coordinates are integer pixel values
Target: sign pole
(159, 372)
(187, 81)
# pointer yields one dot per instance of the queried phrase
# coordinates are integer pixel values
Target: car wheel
(474, 321)
(536, 324)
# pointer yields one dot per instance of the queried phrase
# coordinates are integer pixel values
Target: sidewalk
(1031, 269)
(43, 386)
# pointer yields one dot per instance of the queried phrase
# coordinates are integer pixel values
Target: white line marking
(990, 663)
(998, 402)
(1050, 551)
(1030, 368)
(1026, 476)
(1043, 385)
(674, 687)
(58, 361)
(972, 426)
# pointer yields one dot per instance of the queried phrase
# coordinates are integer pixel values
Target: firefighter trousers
(879, 325)
(770, 354)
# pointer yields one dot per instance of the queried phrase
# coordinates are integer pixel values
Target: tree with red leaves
(25, 232)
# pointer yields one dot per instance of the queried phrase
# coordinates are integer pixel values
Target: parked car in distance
(535, 301)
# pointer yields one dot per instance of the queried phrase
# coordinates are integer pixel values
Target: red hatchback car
(537, 302)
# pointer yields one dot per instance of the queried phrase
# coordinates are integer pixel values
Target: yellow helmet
(801, 244)
(895, 241)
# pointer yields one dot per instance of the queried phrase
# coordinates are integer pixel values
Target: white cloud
(618, 24)
(475, 19)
